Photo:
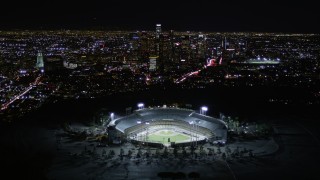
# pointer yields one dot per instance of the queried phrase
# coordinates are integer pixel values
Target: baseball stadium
(168, 126)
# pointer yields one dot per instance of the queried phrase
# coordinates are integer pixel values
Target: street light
(203, 110)
(140, 105)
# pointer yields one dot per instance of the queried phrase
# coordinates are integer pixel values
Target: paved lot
(36, 152)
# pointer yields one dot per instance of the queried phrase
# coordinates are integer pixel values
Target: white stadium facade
(144, 121)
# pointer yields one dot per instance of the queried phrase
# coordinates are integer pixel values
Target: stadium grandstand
(170, 126)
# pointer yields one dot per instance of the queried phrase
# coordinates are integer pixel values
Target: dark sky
(202, 15)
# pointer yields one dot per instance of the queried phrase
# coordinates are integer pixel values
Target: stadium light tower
(203, 110)
(111, 116)
(140, 105)
(147, 132)
(191, 131)
(197, 122)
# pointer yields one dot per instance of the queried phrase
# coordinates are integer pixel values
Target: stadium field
(163, 136)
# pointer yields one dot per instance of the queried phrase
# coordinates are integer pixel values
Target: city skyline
(198, 104)
(231, 16)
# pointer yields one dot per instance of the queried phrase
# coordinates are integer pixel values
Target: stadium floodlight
(203, 110)
(140, 105)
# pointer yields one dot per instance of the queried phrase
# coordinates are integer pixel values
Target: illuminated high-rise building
(40, 63)
(159, 48)
(158, 31)
(153, 63)
(157, 40)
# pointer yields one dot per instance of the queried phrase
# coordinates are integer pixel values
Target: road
(32, 85)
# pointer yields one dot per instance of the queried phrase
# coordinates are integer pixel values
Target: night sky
(199, 15)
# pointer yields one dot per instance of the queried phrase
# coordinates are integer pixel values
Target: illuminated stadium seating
(177, 119)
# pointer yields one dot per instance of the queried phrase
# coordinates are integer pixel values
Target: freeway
(32, 85)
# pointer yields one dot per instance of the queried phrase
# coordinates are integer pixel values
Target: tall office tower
(226, 43)
(157, 42)
(158, 31)
(153, 63)
(40, 63)
(159, 48)
(172, 44)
